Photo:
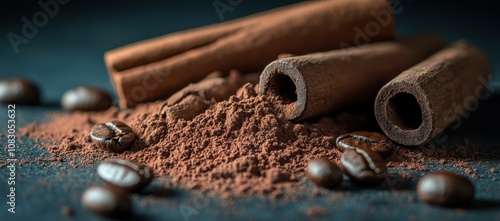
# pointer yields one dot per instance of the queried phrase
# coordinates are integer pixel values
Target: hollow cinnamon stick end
(404, 114)
(284, 81)
(425, 99)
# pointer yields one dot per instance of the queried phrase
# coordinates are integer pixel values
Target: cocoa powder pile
(242, 146)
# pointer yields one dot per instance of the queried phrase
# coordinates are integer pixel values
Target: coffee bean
(19, 91)
(124, 175)
(106, 202)
(114, 136)
(362, 139)
(324, 173)
(86, 99)
(363, 165)
(445, 188)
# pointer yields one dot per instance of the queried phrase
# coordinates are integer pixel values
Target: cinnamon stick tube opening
(405, 103)
(423, 101)
(407, 112)
(316, 84)
(288, 85)
(157, 68)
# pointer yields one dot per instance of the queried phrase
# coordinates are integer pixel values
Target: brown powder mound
(242, 146)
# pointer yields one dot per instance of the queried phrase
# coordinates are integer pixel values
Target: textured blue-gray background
(68, 51)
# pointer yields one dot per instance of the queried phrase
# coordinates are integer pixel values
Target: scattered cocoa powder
(241, 146)
(405, 175)
(316, 211)
(455, 153)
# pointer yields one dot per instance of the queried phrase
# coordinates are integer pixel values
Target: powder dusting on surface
(242, 146)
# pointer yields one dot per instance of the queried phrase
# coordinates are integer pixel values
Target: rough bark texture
(421, 102)
(159, 67)
(320, 83)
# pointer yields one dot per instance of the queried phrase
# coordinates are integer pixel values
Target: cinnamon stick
(422, 101)
(157, 68)
(320, 83)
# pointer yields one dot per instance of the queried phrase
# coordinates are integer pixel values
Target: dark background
(68, 52)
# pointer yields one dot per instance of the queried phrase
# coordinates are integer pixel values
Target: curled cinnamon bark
(320, 83)
(424, 100)
(159, 67)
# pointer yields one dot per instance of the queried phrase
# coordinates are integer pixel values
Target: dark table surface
(67, 52)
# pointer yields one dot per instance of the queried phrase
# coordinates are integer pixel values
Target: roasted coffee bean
(114, 136)
(324, 173)
(444, 188)
(19, 91)
(362, 139)
(363, 165)
(106, 202)
(86, 99)
(124, 175)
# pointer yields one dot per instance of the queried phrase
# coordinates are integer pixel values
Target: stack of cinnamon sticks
(157, 68)
(421, 78)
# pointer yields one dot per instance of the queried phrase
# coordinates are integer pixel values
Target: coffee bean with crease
(324, 173)
(363, 165)
(362, 139)
(124, 175)
(444, 188)
(114, 136)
